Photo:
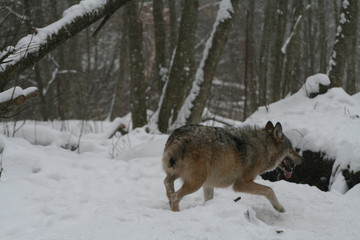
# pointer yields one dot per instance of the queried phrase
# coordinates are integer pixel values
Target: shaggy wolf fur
(211, 157)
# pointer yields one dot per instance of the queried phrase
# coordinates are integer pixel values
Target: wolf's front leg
(255, 188)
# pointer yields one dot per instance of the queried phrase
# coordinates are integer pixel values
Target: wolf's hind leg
(169, 185)
(208, 193)
(255, 188)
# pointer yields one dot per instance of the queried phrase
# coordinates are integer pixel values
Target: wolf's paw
(174, 202)
(280, 209)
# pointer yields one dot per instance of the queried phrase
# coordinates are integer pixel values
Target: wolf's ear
(269, 127)
(278, 133)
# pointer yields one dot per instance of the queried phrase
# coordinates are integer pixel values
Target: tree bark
(136, 65)
(253, 74)
(345, 32)
(292, 50)
(246, 65)
(173, 24)
(182, 69)
(119, 91)
(276, 57)
(37, 69)
(322, 35)
(351, 66)
(29, 56)
(160, 42)
(265, 52)
(211, 57)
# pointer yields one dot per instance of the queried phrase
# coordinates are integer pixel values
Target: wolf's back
(197, 140)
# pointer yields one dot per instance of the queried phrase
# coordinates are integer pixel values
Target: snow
(312, 83)
(342, 20)
(51, 193)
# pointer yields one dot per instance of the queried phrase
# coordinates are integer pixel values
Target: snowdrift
(327, 123)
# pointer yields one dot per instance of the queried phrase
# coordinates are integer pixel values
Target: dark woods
(266, 52)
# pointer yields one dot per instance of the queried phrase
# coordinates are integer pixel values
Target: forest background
(147, 54)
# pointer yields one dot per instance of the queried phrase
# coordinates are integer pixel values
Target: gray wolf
(212, 157)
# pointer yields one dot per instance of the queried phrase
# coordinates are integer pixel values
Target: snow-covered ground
(52, 193)
(113, 188)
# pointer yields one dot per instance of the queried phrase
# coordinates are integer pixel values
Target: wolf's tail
(173, 155)
(172, 162)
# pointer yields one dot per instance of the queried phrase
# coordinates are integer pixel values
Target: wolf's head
(288, 156)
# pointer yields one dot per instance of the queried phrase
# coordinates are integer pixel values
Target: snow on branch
(41, 41)
(14, 97)
(293, 32)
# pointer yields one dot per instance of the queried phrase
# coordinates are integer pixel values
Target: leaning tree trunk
(40, 42)
(194, 105)
(345, 32)
(136, 65)
(182, 68)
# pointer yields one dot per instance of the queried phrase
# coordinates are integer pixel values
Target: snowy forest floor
(47, 192)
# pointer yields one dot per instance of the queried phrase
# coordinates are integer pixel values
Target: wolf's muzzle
(287, 166)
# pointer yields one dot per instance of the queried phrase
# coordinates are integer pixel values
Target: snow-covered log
(41, 41)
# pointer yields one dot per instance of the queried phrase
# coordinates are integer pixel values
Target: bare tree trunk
(253, 74)
(311, 42)
(38, 77)
(351, 66)
(136, 65)
(182, 69)
(119, 92)
(264, 52)
(246, 66)
(276, 57)
(160, 42)
(322, 35)
(345, 33)
(293, 57)
(173, 24)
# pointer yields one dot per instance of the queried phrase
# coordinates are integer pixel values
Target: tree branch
(33, 47)
(13, 98)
